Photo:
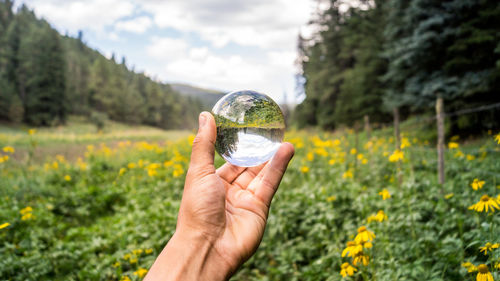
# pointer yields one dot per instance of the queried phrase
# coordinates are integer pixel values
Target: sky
(217, 44)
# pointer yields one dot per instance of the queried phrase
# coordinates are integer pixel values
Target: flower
(347, 175)
(125, 278)
(140, 272)
(26, 210)
(485, 203)
(483, 274)
(148, 251)
(380, 217)
(116, 264)
(352, 249)
(396, 156)
(304, 169)
(469, 266)
(131, 165)
(331, 198)
(385, 194)
(497, 138)
(488, 247)
(31, 132)
(133, 260)
(452, 145)
(361, 258)
(405, 143)
(477, 184)
(470, 157)
(4, 225)
(364, 235)
(448, 196)
(310, 156)
(122, 171)
(67, 178)
(137, 252)
(354, 151)
(8, 149)
(27, 216)
(347, 269)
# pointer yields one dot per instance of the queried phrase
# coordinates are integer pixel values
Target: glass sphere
(250, 128)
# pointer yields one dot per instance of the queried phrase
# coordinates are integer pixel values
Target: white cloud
(74, 15)
(165, 48)
(135, 25)
(267, 24)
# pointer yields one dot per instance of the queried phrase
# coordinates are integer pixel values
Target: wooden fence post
(440, 140)
(367, 127)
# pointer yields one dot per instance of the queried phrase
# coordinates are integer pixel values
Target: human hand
(223, 212)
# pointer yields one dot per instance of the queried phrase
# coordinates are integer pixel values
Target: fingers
(266, 183)
(202, 155)
(229, 172)
(244, 179)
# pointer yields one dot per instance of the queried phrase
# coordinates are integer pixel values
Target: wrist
(189, 256)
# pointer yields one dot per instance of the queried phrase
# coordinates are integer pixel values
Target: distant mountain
(207, 97)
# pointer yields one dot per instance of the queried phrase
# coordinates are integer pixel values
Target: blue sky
(217, 44)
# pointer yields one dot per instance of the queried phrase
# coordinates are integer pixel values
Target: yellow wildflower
(122, 171)
(127, 256)
(364, 235)
(380, 217)
(304, 169)
(4, 225)
(459, 154)
(452, 145)
(483, 274)
(497, 138)
(385, 194)
(470, 157)
(360, 156)
(448, 196)
(361, 258)
(310, 156)
(347, 175)
(354, 151)
(331, 198)
(485, 203)
(352, 249)
(152, 172)
(8, 149)
(133, 260)
(137, 252)
(55, 165)
(116, 264)
(31, 132)
(488, 247)
(469, 266)
(364, 161)
(332, 161)
(477, 184)
(140, 272)
(405, 143)
(347, 269)
(148, 251)
(131, 165)
(67, 178)
(27, 216)
(26, 210)
(125, 278)
(396, 156)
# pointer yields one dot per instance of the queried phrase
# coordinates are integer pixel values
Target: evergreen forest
(381, 55)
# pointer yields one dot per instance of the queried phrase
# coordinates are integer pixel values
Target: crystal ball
(250, 128)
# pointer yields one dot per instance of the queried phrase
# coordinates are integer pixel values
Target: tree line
(381, 55)
(45, 76)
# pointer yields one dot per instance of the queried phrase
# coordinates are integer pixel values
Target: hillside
(207, 97)
(45, 77)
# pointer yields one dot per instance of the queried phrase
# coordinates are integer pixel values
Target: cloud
(75, 15)
(266, 24)
(165, 48)
(135, 25)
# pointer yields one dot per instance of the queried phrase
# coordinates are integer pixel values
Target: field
(81, 205)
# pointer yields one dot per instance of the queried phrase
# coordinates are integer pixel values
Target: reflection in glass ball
(250, 128)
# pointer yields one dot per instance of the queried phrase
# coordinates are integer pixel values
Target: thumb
(202, 155)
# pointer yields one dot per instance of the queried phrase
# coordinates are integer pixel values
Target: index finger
(266, 183)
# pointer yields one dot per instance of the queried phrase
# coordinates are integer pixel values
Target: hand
(223, 212)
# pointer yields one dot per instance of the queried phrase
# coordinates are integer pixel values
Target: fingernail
(202, 120)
